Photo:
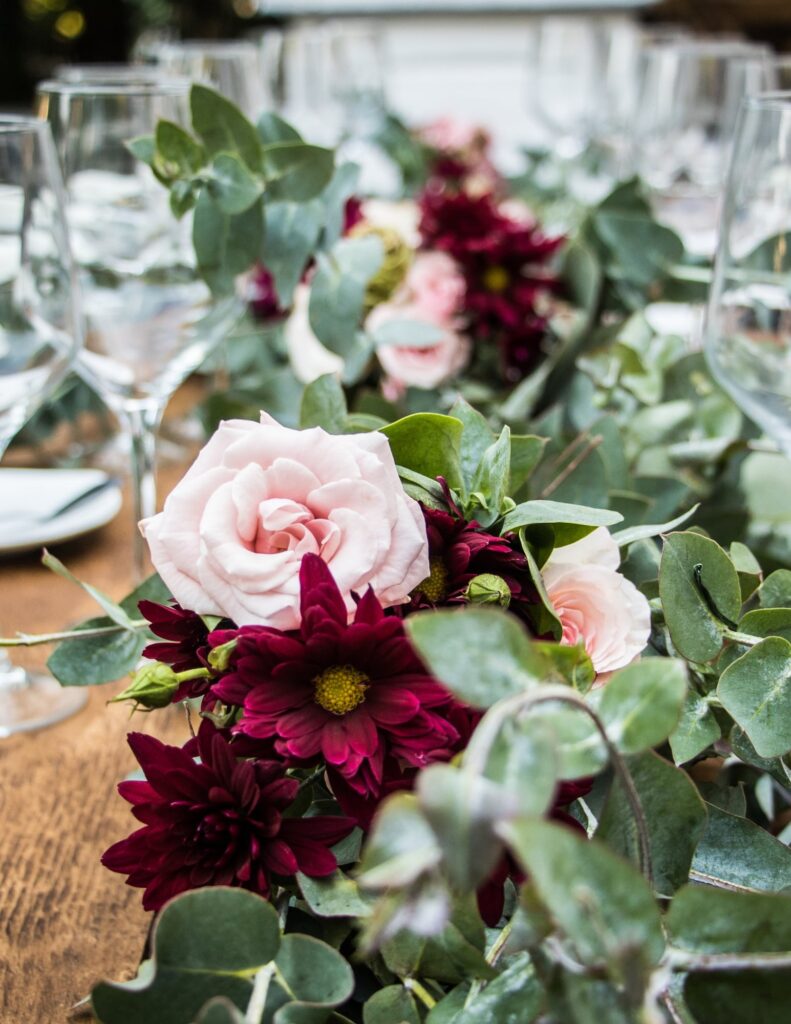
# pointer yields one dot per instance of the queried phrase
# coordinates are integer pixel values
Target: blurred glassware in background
(567, 58)
(309, 101)
(40, 333)
(150, 318)
(688, 99)
(748, 329)
(269, 42)
(232, 67)
(358, 72)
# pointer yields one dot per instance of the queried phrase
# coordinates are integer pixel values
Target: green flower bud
(488, 589)
(220, 657)
(397, 259)
(152, 686)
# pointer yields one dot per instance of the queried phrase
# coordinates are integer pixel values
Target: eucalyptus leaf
(333, 896)
(292, 234)
(338, 291)
(481, 654)
(324, 405)
(295, 171)
(697, 728)
(223, 128)
(461, 808)
(393, 1004)
(641, 704)
(207, 943)
(232, 185)
(735, 853)
(429, 444)
(700, 592)
(674, 812)
(569, 523)
(756, 690)
(599, 902)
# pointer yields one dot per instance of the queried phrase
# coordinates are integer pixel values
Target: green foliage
(209, 945)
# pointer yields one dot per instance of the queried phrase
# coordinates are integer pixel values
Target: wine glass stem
(142, 420)
(11, 676)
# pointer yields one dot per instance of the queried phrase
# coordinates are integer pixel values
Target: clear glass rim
(108, 70)
(708, 47)
(154, 85)
(22, 124)
(778, 99)
(210, 47)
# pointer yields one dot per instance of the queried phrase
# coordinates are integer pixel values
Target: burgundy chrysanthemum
(262, 295)
(503, 261)
(461, 549)
(187, 641)
(217, 822)
(350, 694)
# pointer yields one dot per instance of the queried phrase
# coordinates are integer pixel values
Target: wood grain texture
(65, 921)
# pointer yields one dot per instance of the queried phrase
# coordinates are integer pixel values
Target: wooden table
(65, 921)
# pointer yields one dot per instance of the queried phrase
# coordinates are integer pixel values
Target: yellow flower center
(435, 585)
(496, 279)
(340, 689)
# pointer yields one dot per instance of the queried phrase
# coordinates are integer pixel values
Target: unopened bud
(152, 686)
(488, 589)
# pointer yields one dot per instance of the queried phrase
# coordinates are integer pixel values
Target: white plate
(32, 492)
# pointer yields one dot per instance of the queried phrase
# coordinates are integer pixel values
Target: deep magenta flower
(217, 822)
(459, 550)
(350, 694)
(504, 261)
(186, 636)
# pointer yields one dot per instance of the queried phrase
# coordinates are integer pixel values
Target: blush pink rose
(435, 284)
(418, 367)
(597, 606)
(453, 134)
(259, 496)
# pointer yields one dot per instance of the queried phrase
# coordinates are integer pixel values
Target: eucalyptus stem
(682, 960)
(36, 639)
(478, 753)
(499, 943)
(255, 1008)
(745, 639)
(422, 993)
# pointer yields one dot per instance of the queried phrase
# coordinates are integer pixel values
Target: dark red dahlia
(350, 694)
(504, 264)
(459, 550)
(186, 635)
(217, 822)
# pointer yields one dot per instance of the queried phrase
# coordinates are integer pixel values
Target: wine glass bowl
(748, 329)
(40, 333)
(151, 319)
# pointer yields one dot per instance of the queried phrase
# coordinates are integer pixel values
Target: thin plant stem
(36, 639)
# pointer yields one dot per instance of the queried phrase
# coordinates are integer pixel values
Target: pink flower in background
(596, 605)
(433, 293)
(233, 532)
(436, 285)
(454, 134)
(418, 366)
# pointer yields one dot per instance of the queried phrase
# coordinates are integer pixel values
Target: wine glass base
(37, 702)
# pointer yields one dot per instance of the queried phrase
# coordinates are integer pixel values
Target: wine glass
(690, 91)
(231, 67)
(748, 327)
(40, 332)
(150, 318)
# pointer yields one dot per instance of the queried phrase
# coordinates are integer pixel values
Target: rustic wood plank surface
(65, 921)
